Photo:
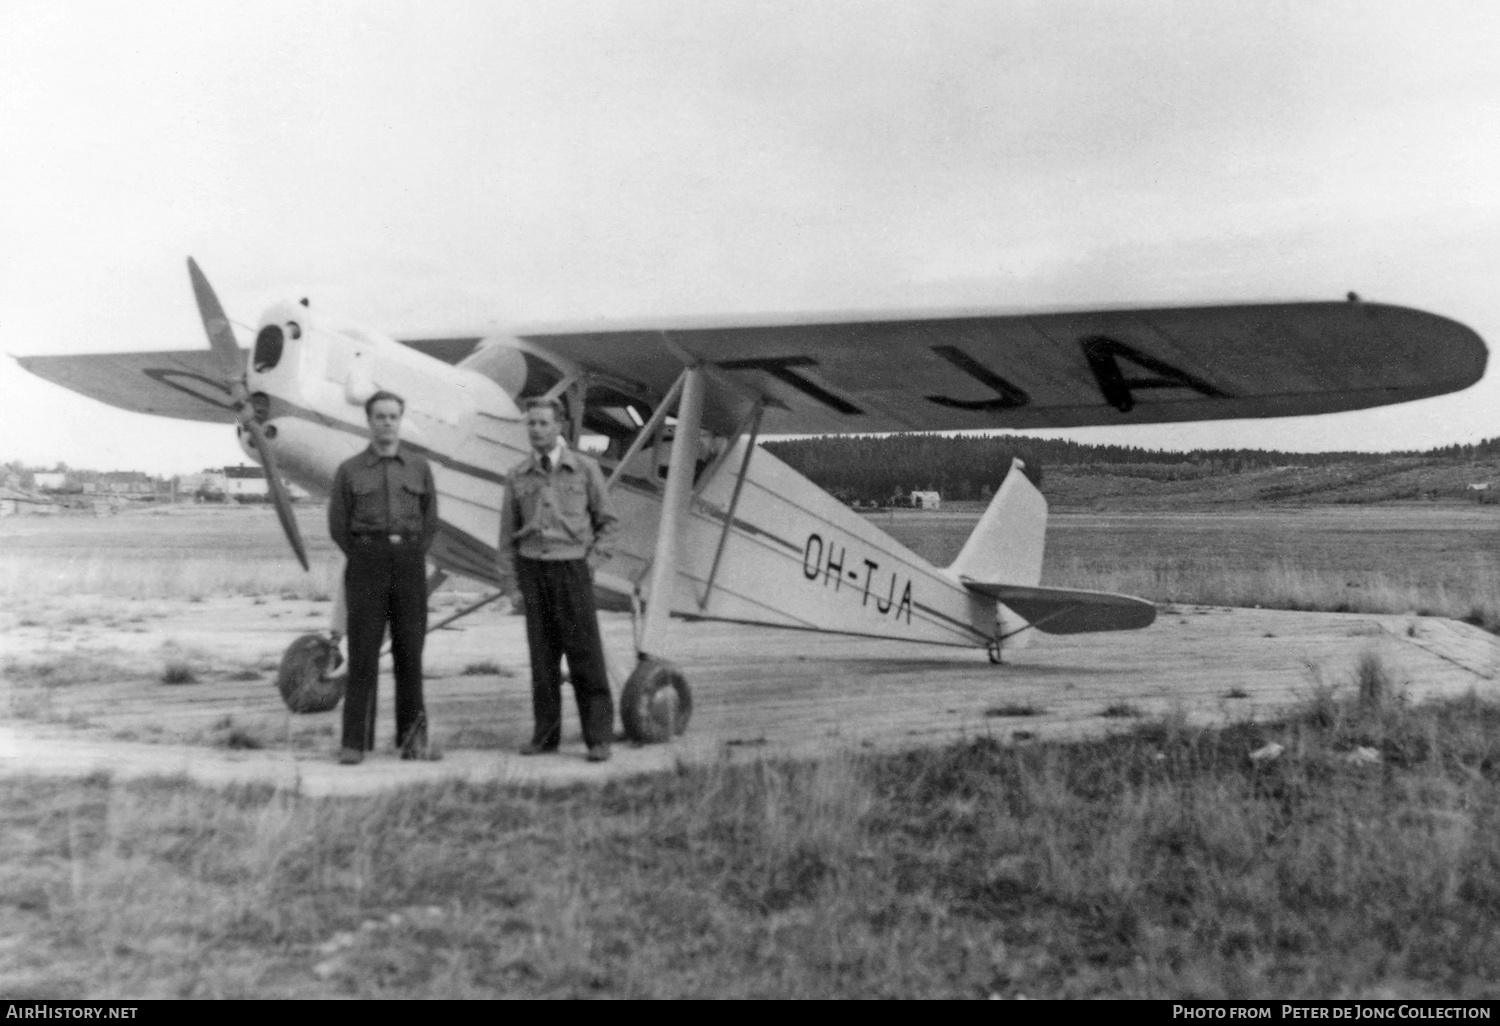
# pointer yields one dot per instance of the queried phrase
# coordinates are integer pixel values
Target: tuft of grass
(485, 668)
(178, 671)
(1014, 709)
(1120, 710)
(243, 675)
(1236, 693)
(242, 739)
(1373, 682)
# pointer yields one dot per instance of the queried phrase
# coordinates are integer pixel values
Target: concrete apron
(758, 693)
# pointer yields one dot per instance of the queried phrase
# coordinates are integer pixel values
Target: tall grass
(1159, 862)
(1439, 562)
(1283, 585)
(176, 552)
(115, 574)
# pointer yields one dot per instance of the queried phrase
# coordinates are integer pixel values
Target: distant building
(125, 482)
(49, 481)
(209, 484)
(244, 483)
(14, 502)
(927, 500)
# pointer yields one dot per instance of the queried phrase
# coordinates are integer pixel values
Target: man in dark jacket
(383, 515)
(555, 524)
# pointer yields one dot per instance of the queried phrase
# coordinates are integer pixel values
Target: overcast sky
(429, 166)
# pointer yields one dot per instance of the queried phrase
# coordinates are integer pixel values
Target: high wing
(186, 384)
(1072, 369)
(947, 373)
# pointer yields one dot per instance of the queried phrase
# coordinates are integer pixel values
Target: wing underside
(1051, 370)
(949, 373)
(187, 385)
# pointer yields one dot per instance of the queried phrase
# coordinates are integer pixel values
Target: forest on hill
(965, 467)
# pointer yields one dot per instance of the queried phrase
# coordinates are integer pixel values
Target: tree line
(869, 468)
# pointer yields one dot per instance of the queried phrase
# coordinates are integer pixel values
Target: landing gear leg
(656, 703)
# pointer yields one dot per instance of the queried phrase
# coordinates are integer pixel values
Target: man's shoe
(536, 748)
(416, 746)
(598, 753)
(351, 757)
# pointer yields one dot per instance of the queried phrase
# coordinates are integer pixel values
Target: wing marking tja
(713, 527)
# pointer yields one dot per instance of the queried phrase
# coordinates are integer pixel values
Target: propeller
(222, 341)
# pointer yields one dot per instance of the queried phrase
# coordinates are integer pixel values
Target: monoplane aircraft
(713, 527)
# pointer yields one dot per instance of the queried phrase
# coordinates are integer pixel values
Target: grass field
(1422, 558)
(1363, 862)
(170, 552)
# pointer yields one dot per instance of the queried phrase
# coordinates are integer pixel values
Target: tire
(300, 680)
(656, 703)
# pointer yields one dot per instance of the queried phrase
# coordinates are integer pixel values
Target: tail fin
(1006, 545)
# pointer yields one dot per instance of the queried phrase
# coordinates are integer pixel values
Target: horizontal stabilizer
(1069, 610)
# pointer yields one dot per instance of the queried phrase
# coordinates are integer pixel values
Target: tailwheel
(304, 679)
(656, 703)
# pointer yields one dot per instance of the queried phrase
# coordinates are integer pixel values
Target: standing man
(383, 515)
(555, 525)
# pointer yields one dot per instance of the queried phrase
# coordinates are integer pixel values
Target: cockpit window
(614, 416)
(268, 346)
(540, 376)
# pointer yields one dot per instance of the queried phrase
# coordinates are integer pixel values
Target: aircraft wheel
(656, 703)
(300, 680)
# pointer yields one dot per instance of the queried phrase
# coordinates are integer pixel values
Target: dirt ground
(85, 691)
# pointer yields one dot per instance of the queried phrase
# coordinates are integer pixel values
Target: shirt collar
(372, 457)
(560, 455)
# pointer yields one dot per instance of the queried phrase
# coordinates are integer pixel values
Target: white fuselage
(794, 555)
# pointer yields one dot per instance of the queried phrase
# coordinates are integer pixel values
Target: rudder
(1006, 545)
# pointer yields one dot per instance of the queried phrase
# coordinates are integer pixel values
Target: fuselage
(793, 556)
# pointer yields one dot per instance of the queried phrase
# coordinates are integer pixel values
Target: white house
(927, 500)
(244, 482)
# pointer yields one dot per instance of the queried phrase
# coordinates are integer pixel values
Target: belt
(394, 539)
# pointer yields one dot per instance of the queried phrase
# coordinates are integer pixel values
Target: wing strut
(734, 499)
(648, 432)
(674, 508)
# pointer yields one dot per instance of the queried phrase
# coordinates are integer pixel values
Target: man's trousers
(561, 621)
(385, 583)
